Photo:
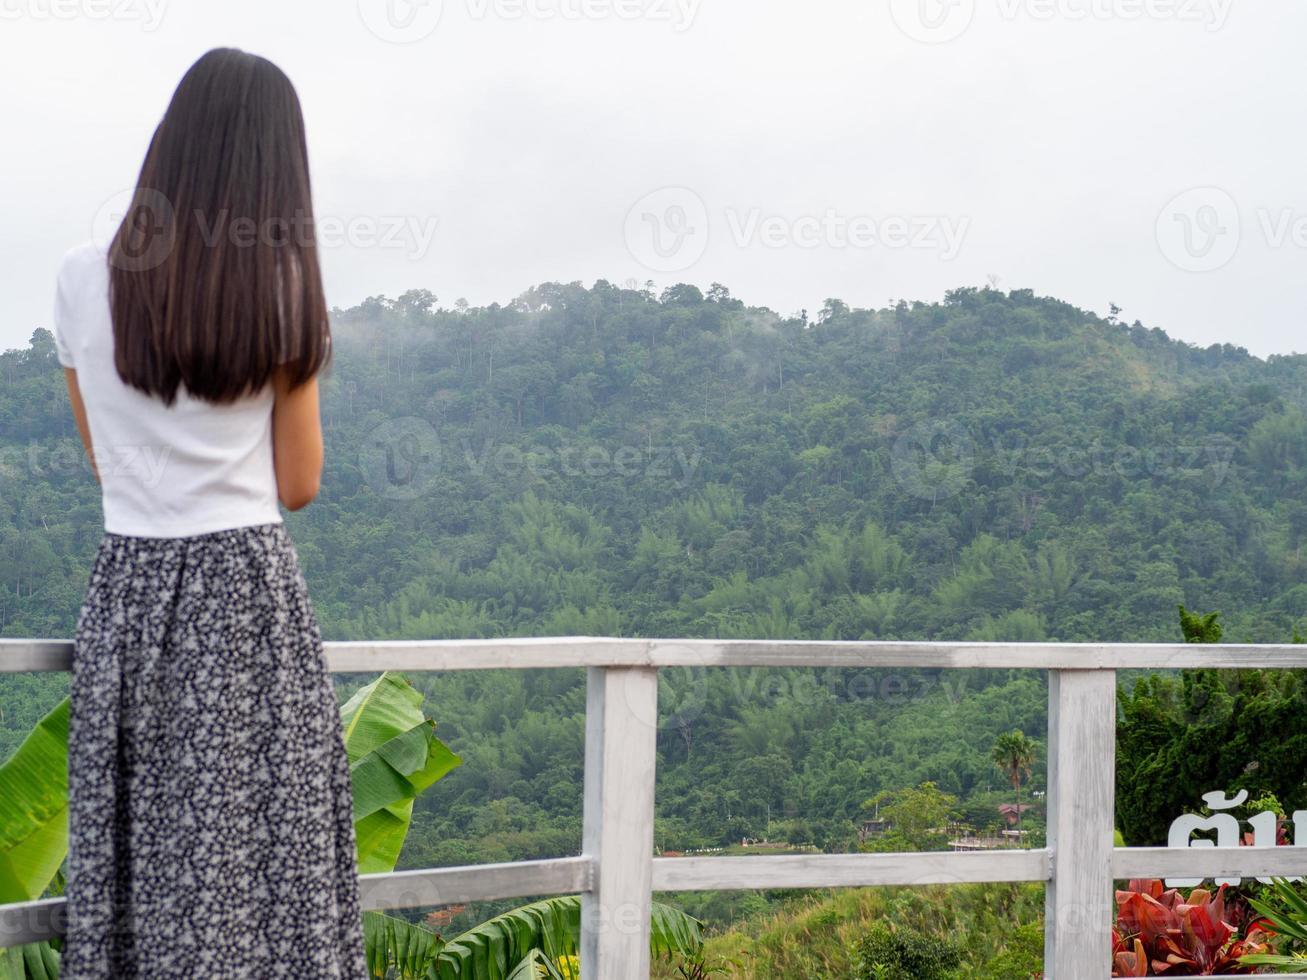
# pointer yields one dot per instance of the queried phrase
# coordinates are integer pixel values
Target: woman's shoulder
(82, 261)
(81, 299)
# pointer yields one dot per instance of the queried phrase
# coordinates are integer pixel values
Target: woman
(210, 825)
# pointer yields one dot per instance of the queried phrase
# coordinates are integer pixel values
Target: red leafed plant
(1161, 933)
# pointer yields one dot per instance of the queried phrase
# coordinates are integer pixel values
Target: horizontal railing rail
(525, 653)
(617, 872)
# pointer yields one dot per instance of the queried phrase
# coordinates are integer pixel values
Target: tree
(1181, 736)
(1014, 754)
(916, 816)
(1200, 629)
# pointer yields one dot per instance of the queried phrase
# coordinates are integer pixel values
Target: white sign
(1264, 825)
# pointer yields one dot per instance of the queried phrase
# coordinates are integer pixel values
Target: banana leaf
(394, 756)
(34, 809)
(34, 833)
(396, 944)
(34, 961)
(534, 942)
(537, 966)
(673, 933)
(551, 929)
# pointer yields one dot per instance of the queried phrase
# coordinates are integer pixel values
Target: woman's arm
(296, 441)
(79, 413)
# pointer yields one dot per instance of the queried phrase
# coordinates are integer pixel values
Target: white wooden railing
(617, 873)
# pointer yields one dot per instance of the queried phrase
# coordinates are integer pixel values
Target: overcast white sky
(1146, 152)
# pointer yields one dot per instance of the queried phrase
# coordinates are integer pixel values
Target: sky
(1145, 153)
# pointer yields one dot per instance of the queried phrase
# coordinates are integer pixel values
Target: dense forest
(614, 461)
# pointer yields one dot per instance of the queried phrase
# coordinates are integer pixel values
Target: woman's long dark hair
(213, 273)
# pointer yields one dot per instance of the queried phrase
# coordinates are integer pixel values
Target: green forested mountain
(996, 466)
(608, 461)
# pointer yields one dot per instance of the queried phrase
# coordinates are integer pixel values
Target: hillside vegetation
(997, 466)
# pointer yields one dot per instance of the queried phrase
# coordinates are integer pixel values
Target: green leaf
(1272, 959)
(396, 944)
(378, 712)
(1288, 920)
(551, 929)
(536, 966)
(34, 809)
(11, 964)
(33, 961)
(394, 756)
(673, 932)
(400, 769)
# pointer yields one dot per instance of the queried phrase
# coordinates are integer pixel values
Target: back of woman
(210, 810)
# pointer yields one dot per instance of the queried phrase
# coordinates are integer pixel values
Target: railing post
(1081, 793)
(621, 727)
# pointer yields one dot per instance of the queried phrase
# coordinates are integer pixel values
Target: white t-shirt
(165, 472)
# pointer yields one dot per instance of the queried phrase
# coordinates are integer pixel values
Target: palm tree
(1014, 754)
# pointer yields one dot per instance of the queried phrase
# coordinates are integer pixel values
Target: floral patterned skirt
(210, 813)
